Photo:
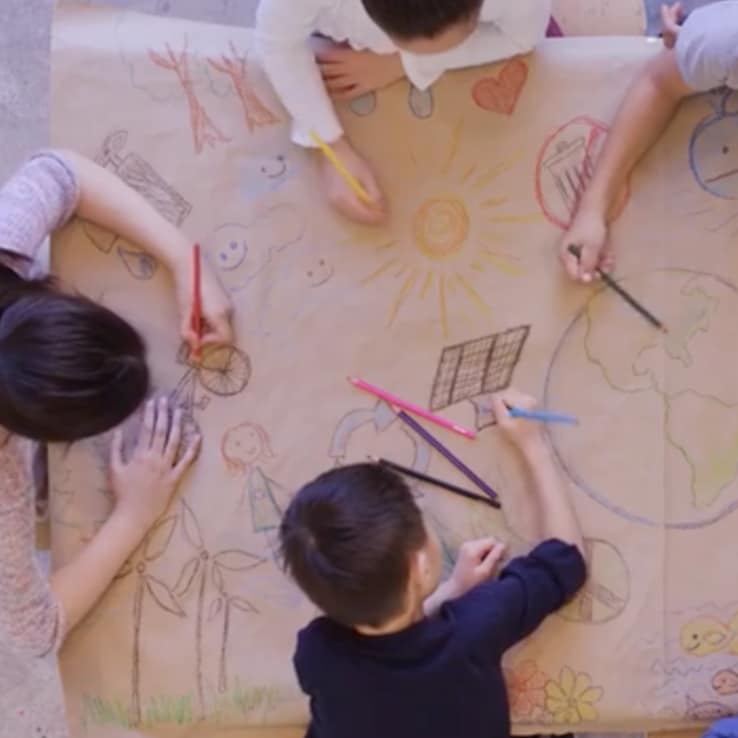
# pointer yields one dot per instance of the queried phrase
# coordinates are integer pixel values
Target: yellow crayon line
(332, 157)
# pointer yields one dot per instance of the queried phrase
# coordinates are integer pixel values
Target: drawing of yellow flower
(572, 699)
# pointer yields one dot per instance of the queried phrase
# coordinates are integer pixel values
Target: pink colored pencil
(391, 399)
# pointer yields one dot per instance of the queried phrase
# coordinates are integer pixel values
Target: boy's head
(425, 26)
(355, 542)
(69, 368)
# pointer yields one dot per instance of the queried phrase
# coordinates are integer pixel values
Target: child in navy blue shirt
(396, 655)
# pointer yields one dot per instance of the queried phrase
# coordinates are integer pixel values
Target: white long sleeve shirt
(284, 28)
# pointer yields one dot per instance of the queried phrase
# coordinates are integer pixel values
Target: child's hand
(349, 74)
(589, 233)
(144, 484)
(670, 18)
(340, 194)
(217, 310)
(522, 433)
(476, 564)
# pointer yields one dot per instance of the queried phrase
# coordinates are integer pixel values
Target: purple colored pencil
(450, 457)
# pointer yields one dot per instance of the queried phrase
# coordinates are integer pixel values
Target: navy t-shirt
(442, 677)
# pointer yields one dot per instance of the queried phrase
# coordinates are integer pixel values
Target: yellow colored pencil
(332, 157)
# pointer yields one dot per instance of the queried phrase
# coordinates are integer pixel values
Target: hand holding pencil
(205, 308)
(350, 183)
(519, 431)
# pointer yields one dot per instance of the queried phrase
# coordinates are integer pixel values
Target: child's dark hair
(347, 540)
(69, 368)
(413, 19)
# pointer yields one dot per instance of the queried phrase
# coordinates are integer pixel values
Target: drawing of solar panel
(478, 367)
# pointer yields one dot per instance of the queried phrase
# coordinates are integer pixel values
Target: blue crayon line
(543, 416)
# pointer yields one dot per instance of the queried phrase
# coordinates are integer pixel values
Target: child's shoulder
(319, 641)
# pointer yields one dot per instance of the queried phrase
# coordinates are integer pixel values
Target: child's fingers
(479, 549)
(189, 455)
(513, 396)
(492, 559)
(337, 85)
(175, 437)
(499, 408)
(146, 435)
(335, 55)
(218, 327)
(161, 426)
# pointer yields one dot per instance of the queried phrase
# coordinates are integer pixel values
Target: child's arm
(699, 57)
(143, 487)
(548, 503)
(644, 114)
(106, 200)
(284, 29)
(518, 29)
(530, 588)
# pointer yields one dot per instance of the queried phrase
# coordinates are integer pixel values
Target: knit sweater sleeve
(39, 198)
(31, 620)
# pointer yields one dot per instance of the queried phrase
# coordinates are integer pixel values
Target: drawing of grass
(177, 710)
(104, 712)
(245, 700)
(160, 710)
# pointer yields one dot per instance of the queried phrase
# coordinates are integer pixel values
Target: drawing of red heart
(500, 94)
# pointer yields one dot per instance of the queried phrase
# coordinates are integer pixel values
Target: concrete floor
(24, 61)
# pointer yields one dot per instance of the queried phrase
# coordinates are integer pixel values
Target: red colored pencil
(197, 300)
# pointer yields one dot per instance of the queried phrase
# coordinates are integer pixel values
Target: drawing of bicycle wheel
(224, 371)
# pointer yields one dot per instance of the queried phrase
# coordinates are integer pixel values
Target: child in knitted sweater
(69, 369)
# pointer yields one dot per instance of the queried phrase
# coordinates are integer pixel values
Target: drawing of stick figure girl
(243, 448)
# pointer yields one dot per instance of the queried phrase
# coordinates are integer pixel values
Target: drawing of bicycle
(223, 371)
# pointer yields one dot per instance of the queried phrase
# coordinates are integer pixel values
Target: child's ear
(423, 567)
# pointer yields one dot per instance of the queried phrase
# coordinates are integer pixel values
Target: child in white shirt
(381, 41)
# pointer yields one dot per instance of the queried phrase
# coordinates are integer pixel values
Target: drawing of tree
(256, 113)
(154, 547)
(204, 565)
(204, 131)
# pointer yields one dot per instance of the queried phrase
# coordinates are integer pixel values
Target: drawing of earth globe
(657, 442)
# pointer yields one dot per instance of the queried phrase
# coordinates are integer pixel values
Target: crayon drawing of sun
(452, 235)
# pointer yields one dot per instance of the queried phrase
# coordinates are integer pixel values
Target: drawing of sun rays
(451, 239)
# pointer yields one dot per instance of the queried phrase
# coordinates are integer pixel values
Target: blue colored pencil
(447, 454)
(543, 416)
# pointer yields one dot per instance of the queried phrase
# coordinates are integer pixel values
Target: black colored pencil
(439, 483)
(610, 282)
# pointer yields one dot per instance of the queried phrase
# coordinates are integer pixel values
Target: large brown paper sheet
(460, 295)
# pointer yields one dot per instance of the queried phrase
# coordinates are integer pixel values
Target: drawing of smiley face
(713, 156)
(232, 253)
(266, 174)
(244, 443)
(274, 168)
(319, 273)
(725, 682)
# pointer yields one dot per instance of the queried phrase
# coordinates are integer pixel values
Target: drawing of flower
(572, 699)
(526, 689)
